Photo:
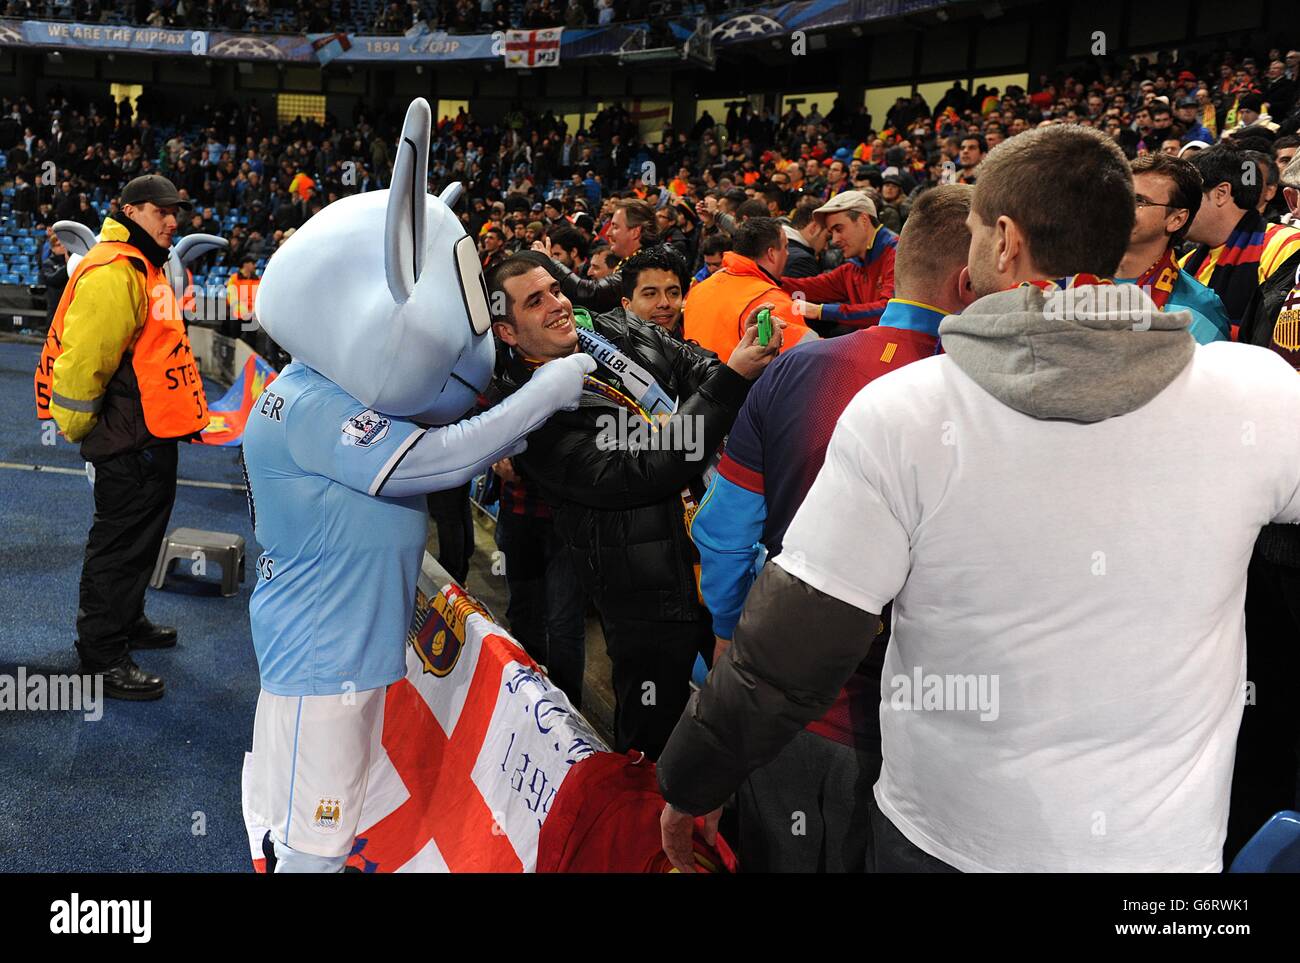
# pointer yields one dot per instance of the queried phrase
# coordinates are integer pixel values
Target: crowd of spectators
(529, 175)
(755, 188)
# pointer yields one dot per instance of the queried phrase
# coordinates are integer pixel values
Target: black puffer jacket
(620, 512)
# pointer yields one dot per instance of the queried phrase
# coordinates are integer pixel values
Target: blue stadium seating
(1274, 849)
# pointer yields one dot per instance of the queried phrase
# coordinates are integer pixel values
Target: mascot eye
(473, 288)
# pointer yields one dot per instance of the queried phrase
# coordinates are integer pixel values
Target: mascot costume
(380, 301)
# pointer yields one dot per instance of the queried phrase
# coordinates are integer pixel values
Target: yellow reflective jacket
(102, 322)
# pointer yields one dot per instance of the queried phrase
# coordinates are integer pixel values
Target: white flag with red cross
(477, 745)
(533, 48)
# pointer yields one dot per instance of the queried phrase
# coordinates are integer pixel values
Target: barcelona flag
(228, 416)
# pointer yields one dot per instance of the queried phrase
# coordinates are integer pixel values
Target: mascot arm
(443, 458)
(334, 435)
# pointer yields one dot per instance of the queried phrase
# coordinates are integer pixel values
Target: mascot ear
(451, 194)
(75, 236)
(194, 246)
(407, 196)
(188, 249)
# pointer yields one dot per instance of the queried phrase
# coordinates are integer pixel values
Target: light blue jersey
(336, 579)
(1209, 321)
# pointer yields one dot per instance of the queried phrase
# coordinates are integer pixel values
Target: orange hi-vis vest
(241, 295)
(171, 391)
(714, 313)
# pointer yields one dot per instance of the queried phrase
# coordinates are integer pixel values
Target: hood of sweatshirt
(1082, 354)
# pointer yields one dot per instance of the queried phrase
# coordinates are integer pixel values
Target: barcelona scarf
(948, 119)
(1234, 274)
(1209, 119)
(1158, 280)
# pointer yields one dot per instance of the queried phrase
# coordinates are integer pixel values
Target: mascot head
(383, 294)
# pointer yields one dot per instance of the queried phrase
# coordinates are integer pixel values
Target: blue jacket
(1210, 321)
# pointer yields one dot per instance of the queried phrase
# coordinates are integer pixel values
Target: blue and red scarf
(1235, 276)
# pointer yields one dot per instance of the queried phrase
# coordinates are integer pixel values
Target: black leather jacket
(603, 295)
(620, 512)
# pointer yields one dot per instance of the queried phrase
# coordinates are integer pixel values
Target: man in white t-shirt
(1062, 508)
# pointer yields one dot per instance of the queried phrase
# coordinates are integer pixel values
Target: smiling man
(654, 282)
(117, 375)
(620, 509)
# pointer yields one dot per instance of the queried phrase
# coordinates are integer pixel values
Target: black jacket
(803, 261)
(1279, 544)
(620, 512)
(603, 295)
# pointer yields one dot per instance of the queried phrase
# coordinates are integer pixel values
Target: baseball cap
(845, 201)
(1187, 76)
(1188, 102)
(156, 189)
(1192, 145)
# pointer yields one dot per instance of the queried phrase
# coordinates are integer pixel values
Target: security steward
(117, 375)
(241, 294)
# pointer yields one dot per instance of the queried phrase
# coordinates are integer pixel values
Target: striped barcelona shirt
(773, 454)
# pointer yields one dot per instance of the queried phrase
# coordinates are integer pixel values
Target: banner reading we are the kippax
(105, 36)
(158, 41)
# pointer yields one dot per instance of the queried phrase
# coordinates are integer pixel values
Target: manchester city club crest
(329, 813)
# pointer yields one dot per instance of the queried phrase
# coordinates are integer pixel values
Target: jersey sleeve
(331, 434)
(726, 531)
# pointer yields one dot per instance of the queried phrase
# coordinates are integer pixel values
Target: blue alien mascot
(381, 303)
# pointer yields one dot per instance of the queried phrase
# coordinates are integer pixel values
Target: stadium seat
(1274, 849)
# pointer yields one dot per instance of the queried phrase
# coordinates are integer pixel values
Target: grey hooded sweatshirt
(1084, 354)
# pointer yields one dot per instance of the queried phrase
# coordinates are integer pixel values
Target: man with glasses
(1167, 192)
